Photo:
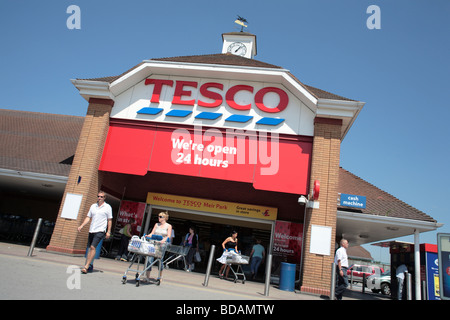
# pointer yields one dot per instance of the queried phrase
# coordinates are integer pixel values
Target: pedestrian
(191, 240)
(400, 275)
(229, 247)
(164, 230)
(126, 234)
(341, 261)
(256, 257)
(100, 215)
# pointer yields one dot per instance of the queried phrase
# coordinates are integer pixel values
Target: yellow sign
(223, 207)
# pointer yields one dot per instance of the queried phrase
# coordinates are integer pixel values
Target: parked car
(359, 270)
(378, 283)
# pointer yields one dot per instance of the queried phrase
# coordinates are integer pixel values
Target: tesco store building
(221, 141)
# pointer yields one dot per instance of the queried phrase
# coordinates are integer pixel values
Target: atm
(403, 253)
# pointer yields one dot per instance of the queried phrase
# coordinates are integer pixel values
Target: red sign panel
(268, 161)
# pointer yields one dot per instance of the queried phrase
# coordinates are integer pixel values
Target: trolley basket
(149, 249)
(237, 260)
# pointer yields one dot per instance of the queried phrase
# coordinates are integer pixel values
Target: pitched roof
(38, 142)
(378, 202)
(231, 60)
(359, 252)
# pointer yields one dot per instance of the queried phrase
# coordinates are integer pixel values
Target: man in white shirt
(101, 215)
(400, 275)
(341, 260)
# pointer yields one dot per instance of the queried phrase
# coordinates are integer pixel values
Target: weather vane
(242, 22)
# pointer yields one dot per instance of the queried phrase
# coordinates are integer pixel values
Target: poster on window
(287, 244)
(130, 213)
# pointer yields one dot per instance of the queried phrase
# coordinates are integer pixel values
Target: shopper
(191, 240)
(126, 234)
(341, 260)
(101, 215)
(400, 275)
(256, 257)
(163, 229)
(229, 247)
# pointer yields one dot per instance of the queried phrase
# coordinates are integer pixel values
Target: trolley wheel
(124, 279)
(158, 282)
(235, 280)
(243, 281)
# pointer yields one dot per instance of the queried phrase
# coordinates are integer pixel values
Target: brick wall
(325, 168)
(84, 178)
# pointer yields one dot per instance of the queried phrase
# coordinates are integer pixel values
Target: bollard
(363, 283)
(424, 290)
(333, 281)
(351, 278)
(408, 286)
(208, 268)
(268, 271)
(36, 233)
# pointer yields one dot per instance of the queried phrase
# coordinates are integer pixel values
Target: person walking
(191, 240)
(341, 261)
(229, 247)
(256, 257)
(164, 230)
(100, 228)
(126, 234)
(400, 275)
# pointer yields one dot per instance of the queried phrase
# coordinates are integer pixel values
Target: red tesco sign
(182, 94)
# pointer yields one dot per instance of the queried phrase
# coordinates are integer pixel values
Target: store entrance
(212, 229)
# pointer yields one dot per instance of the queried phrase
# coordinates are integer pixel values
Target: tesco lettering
(183, 94)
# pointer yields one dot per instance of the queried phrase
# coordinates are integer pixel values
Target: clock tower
(239, 43)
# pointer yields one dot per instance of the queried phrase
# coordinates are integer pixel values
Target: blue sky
(400, 141)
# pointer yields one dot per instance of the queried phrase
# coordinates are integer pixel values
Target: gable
(225, 103)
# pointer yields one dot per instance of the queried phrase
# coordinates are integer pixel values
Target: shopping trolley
(177, 252)
(237, 260)
(145, 249)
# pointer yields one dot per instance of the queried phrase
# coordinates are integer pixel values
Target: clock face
(237, 48)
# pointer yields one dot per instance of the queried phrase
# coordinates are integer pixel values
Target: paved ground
(53, 276)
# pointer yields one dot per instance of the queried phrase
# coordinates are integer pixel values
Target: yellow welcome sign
(223, 207)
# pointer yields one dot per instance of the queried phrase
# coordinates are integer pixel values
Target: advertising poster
(444, 265)
(287, 244)
(128, 210)
(432, 274)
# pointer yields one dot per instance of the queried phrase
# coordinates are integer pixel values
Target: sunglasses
(160, 216)
(100, 196)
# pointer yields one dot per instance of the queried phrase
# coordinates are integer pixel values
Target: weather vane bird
(242, 22)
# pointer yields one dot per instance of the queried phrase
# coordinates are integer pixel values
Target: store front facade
(220, 141)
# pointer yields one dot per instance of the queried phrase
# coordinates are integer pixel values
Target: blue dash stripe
(178, 113)
(208, 115)
(148, 110)
(238, 118)
(270, 121)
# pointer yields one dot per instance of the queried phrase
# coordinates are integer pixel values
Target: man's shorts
(95, 238)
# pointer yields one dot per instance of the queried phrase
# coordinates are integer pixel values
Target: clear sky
(401, 139)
